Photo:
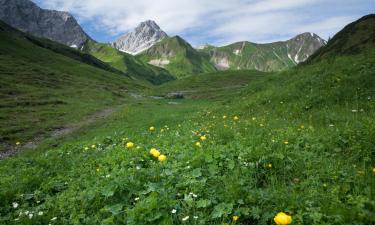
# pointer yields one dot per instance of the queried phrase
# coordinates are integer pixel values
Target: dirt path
(58, 133)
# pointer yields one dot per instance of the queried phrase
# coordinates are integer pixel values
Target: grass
(300, 142)
(184, 60)
(128, 64)
(303, 144)
(43, 89)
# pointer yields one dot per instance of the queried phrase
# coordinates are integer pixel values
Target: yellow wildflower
(282, 219)
(18, 143)
(203, 138)
(269, 165)
(236, 118)
(302, 126)
(198, 144)
(224, 117)
(162, 158)
(130, 145)
(154, 152)
(373, 170)
(152, 129)
(286, 142)
(93, 146)
(235, 218)
(86, 148)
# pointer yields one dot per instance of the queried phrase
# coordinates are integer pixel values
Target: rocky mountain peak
(58, 26)
(144, 36)
(304, 45)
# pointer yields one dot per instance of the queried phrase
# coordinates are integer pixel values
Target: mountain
(177, 56)
(143, 37)
(55, 25)
(45, 85)
(355, 38)
(127, 63)
(264, 57)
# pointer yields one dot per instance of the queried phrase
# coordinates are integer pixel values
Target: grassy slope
(255, 56)
(210, 85)
(128, 63)
(41, 89)
(303, 144)
(355, 38)
(184, 59)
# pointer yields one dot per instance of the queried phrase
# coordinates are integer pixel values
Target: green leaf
(203, 203)
(196, 173)
(114, 209)
(221, 209)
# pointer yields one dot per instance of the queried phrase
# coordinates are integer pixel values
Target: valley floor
(236, 155)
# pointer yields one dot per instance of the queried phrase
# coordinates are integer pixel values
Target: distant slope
(211, 85)
(355, 38)
(58, 26)
(45, 85)
(127, 63)
(275, 56)
(177, 56)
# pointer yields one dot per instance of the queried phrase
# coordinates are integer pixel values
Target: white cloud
(218, 21)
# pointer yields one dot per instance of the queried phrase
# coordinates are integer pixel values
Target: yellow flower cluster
(130, 145)
(282, 219)
(156, 153)
(152, 129)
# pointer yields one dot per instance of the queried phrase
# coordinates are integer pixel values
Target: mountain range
(148, 53)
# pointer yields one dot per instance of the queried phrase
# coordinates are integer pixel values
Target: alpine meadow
(150, 129)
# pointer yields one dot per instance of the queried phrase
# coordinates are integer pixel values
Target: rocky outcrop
(144, 36)
(58, 26)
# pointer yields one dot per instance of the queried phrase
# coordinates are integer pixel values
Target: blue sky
(217, 22)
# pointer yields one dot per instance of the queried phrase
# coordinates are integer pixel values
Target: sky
(217, 22)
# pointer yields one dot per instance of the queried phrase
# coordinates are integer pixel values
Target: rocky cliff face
(55, 25)
(303, 46)
(144, 36)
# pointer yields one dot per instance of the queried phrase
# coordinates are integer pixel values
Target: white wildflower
(185, 218)
(54, 218)
(15, 205)
(40, 213)
(31, 216)
(173, 211)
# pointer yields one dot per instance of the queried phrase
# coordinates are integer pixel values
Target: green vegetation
(45, 85)
(355, 38)
(128, 63)
(300, 142)
(182, 59)
(270, 57)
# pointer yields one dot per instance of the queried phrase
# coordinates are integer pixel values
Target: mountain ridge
(58, 26)
(273, 56)
(144, 36)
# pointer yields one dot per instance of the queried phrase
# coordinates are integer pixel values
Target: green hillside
(243, 150)
(45, 85)
(277, 56)
(177, 56)
(355, 38)
(211, 85)
(128, 63)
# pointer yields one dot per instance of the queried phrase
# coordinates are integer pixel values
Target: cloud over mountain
(215, 21)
